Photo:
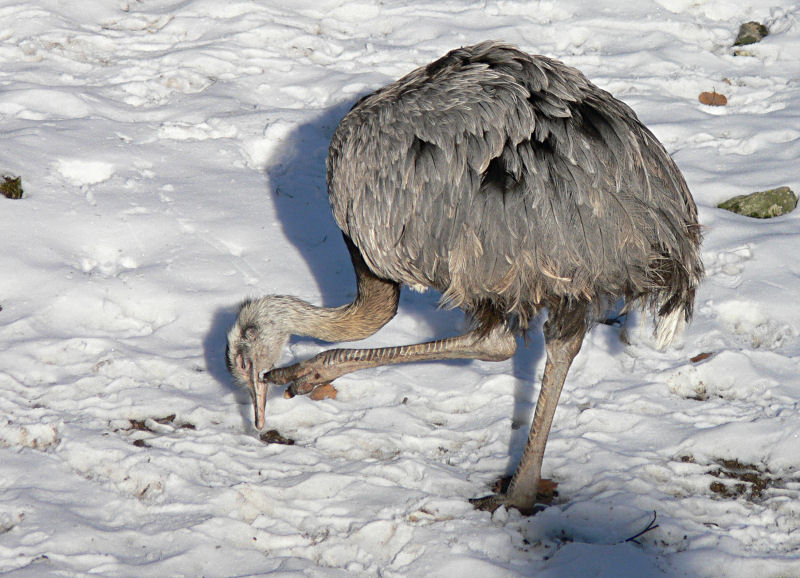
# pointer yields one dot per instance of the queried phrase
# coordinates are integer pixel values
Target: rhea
(510, 184)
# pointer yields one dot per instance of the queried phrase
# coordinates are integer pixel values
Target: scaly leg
(496, 345)
(562, 347)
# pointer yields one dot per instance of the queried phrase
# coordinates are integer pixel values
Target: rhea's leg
(562, 345)
(496, 345)
(524, 485)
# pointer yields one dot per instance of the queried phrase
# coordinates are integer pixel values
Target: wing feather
(498, 177)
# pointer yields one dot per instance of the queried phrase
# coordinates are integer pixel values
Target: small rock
(762, 204)
(750, 33)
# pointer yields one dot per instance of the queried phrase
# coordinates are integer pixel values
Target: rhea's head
(255, 343)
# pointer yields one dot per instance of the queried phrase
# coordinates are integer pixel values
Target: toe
(488, 503)
(493, 501)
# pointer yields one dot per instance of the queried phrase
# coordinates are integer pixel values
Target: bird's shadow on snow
(298, 191)
(296, 188)
(214, 353)
(527, 369)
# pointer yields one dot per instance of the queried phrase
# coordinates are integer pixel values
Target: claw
(545, 494)
(488, 503)
(317, 393)
(493, 501)
(300, 386)
(273, 376)
(305, 378)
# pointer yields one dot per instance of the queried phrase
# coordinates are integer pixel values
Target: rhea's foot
(304, 377)
(545, 494)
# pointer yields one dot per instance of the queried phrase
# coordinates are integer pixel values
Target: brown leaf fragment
(701, 356)
(273, 436)
(139, 425)
(713, 98)
(547, 491)
(326, 391)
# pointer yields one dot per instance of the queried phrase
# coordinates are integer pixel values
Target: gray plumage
(509, 183)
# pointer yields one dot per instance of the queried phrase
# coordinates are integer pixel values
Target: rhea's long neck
(374, 305)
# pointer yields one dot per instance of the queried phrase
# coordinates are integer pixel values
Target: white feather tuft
(669, 327)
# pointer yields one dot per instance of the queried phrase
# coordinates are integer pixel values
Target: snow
(172, 156)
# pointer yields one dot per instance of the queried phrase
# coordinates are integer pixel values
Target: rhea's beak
(258, 386)
(260, 402)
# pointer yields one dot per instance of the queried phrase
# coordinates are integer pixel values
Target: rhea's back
(507, 182)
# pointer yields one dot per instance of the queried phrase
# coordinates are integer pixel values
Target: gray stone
(762, 204)
(750, 33)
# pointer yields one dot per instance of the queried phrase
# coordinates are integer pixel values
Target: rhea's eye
(242, 362)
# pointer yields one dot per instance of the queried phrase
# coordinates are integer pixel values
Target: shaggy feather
(509, 183)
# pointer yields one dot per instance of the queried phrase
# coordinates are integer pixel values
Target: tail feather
(669, 327)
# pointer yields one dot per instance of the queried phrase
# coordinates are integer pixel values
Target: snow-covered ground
(172, 155)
